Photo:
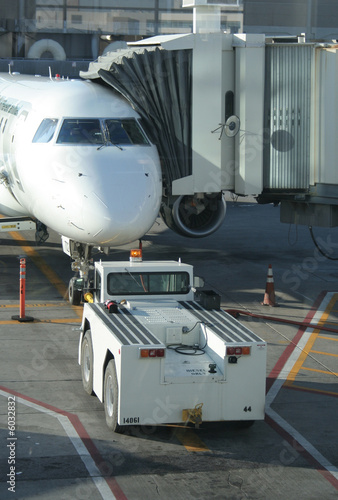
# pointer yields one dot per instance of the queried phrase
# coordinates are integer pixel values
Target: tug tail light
(238, 351)
(152, 353)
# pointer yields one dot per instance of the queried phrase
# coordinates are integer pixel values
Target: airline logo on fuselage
(9, 106)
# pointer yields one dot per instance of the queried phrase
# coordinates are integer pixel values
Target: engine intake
(195, 216)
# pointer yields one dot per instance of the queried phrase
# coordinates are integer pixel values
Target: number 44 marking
(247, 408)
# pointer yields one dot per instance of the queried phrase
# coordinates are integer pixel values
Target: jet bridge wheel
(111, 397)
(74, 295)
(87, 363)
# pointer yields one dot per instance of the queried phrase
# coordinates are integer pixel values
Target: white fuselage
(88, 187)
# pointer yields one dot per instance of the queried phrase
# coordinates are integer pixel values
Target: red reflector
(152, 353)
(238, 351)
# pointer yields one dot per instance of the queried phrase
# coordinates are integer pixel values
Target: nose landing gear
(81, 254)
(75, 291)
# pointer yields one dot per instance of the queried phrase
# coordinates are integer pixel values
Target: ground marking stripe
(327, 338)
(39, 262)
(80, 440)
(325, 353)
(303, 442)
(319, 371)
(325, 313)
(282, 375)
(314, 454)
(42, 304)
(297, 387)
(190, 440)
(302, 357)
(60, 321)
(86, 458)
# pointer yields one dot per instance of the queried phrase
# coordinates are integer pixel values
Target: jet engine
(195, 216)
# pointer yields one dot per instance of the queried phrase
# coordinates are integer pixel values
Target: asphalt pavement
(54, 440)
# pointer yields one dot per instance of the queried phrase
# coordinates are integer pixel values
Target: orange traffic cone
(269, 296)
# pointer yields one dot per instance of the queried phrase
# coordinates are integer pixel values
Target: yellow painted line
(318, 391)
(319, 371)
(63, 320)
(308, 347)
(190, 440)
(325, 353)
(327, 338)
(41, 264)
(28, 306)
(297, 366)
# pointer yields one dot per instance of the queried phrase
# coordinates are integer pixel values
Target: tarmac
(54, 440)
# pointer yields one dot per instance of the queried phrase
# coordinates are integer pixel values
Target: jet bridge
(241, 113)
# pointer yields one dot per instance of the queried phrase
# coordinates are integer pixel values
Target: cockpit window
(80, 131)
(125, 131)
(46, 130)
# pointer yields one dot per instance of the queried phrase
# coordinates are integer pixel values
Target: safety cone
(269, 296)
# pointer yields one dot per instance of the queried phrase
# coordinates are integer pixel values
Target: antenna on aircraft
(9, 69)
(50, 73)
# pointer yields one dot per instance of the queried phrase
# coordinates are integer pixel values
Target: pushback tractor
(154, 350)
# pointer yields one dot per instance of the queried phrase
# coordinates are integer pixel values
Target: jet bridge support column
(249, 106)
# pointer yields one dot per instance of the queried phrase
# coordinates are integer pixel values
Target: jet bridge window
(131, 283)
(125, 131)
(80, 131)
(46, 130)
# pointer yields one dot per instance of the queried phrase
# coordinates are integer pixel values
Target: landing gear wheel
(111, 397)
(74, 295)
(87, 363)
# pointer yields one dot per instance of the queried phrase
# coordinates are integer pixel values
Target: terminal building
(317, 19)
(86, 28)
(81, 30)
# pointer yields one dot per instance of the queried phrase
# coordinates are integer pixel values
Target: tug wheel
(87, 363)
(111, 397)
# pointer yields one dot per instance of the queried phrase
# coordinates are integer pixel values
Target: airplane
(75, 158)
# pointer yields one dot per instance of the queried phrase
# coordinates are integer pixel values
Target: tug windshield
(133, 283)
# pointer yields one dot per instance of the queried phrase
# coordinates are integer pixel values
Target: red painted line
(299, 448)
(291, 347)
(104, 467)
(271, 379)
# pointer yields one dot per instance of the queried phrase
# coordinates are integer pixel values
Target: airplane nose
(106, 197)
(121, 209)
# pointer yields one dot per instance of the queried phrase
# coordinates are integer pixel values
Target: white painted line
(283, 375)
(303, 442)
(77, 442)
(86, 458)
(277, 385)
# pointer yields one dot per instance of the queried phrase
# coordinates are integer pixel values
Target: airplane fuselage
(74, 156)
